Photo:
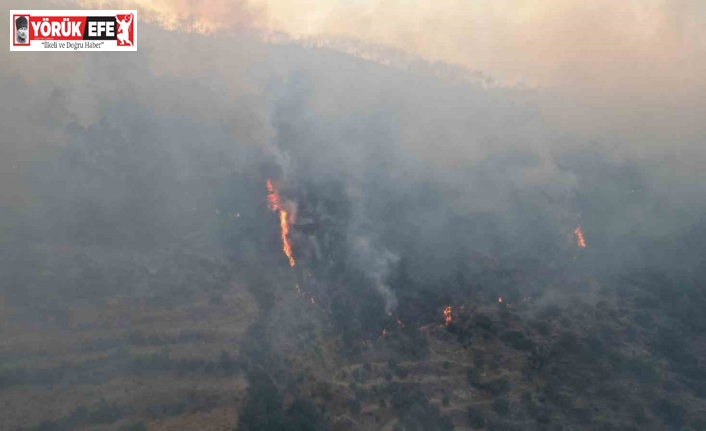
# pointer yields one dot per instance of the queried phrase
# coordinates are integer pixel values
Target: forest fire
(448, 318)
(273, 203)
(580, 241)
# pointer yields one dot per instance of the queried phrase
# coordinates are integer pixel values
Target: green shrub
(483, 321)
(303, 415)
(473, 376)
(133, 426)
(476, 418)
(497, 386)
(105, 413)
(501, 406)
(355, 406)
(551, 312)
(479, 360)
(543, 416)
(671, 413)
(517, 340)
(47, 426)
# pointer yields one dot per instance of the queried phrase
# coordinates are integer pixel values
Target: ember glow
(580, 241)
(447, 316)
(500, 300)
(273, 203)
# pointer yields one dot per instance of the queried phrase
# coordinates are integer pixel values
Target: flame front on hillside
(448, 318)
(580, 241)
(274, 204)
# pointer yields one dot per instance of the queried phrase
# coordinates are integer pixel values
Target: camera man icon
(21, 34)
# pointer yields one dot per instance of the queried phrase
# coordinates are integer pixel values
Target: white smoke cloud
(377, 262)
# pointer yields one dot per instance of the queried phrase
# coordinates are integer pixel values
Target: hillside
(197, 349)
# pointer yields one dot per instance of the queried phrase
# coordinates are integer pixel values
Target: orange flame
(273, 203)
(580, 241)
(500, 300)
(447, 316)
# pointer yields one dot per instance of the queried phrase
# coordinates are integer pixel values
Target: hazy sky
(630, 70)
(627, 75)
(640, 44)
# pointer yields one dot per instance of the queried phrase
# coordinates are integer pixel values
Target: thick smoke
(439, 169)
(377, 263)
(140, 180)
